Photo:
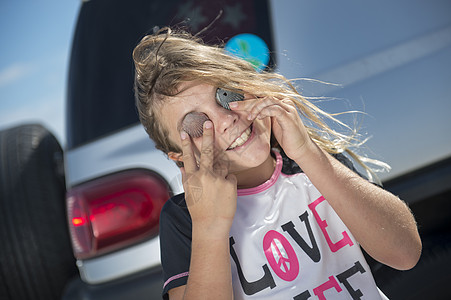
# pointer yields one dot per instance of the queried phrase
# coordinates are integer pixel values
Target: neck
(253, 177)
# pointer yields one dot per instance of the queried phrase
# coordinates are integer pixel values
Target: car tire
(36, 259)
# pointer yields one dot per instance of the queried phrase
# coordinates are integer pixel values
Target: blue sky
(36, 37)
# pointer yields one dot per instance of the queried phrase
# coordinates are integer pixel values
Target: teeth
(241, 139)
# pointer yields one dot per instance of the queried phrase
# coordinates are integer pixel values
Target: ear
(175, 156)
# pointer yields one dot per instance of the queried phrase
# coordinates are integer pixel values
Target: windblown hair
(168, 58)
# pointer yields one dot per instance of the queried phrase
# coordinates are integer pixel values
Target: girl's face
(243, 143)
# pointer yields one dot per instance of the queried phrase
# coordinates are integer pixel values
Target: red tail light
(115, 211)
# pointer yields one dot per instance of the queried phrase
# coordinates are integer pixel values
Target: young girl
(272, 209)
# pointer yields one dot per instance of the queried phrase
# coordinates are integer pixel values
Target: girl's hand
(286, 123)
(210, 192)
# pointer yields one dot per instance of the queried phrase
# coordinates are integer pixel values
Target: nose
(224, 120)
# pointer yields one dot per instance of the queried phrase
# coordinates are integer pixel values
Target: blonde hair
(168, 58)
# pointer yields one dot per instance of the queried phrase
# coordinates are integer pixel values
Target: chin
(250, 158)
(255, 152)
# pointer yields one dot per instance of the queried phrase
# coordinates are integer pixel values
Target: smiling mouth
(242, 139)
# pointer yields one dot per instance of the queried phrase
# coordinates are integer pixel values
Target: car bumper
(147, 285)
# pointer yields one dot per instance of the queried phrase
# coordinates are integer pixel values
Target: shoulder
(348, 163)
(290, 167)
(175, 215)
(175, 203)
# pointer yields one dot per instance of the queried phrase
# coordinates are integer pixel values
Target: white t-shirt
(286, 242)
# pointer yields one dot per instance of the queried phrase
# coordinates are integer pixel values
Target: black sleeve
(347, 162)
(290, 167)
(175, 243)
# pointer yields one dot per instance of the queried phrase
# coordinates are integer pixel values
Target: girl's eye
(193, 124)
(224, 97)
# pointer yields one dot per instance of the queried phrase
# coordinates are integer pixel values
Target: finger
(265, 103)
(207, 148)
(284, 120)
(232, 178)
(189, 161)
(185, 178)
(182, 170)
(271, 111)
(289, 106)
(253, 106)
(221, 165)
(243, 105)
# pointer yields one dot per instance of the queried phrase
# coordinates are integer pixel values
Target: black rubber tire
(36, 257)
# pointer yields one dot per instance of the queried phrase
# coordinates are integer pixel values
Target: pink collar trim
(267, 184)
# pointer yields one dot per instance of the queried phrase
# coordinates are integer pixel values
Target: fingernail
(208, 124)
(183, 135)
(233, 104)
(250, 117)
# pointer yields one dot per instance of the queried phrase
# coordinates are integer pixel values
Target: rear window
(100, 98)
